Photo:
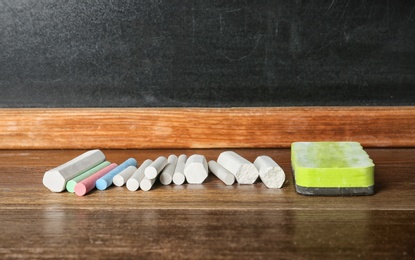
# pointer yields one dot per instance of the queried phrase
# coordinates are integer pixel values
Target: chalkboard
(208, 53)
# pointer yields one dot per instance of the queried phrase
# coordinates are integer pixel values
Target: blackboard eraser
(332, 169)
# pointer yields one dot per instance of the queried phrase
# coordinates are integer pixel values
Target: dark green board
(206, 53)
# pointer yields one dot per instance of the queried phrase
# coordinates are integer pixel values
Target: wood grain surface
(170, 128)
(207, 221)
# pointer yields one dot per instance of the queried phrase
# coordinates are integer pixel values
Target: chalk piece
(196, 169)
(146, 184)
(121, 178)
(56, 179)
(166, 175)
(224, 175)
(244, 171)
(271, 174)
(70, 185)
(155, 168)
(105, 181)
(178, 175)
(86, 185)
(332, 168)
(133, 182)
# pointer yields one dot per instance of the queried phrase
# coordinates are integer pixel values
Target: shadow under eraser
(332, 169)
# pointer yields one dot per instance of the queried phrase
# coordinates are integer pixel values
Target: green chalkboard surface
(210, 53)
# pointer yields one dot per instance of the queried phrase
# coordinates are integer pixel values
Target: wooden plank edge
(252, 127)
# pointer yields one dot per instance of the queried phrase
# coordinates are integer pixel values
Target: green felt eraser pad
(332, 168)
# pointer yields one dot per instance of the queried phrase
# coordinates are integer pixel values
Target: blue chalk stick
(106, 180)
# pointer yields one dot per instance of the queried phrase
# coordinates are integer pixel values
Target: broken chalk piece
(178, 175)
(332, 168)
(196, 169)
(56, 179)
(244, 171)
(153, 170)
(270, 172)
(224, 175)
(146, 184)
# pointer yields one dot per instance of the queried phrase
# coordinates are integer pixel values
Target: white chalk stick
(166, 175)
(56, 178)
(146, 184)
(224, 175)
(244, 171)
(133, 182)
(196, 169)
(155, 168)
(121, 178)
(270, 172)
(178, 175)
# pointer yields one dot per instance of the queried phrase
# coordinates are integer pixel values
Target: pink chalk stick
(86, 185)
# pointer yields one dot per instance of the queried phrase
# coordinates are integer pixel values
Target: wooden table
(207, 221)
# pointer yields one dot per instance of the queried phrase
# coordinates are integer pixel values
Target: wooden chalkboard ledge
(147, 128)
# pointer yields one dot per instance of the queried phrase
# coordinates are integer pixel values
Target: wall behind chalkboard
(206, 53)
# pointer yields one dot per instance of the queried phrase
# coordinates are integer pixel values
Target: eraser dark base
(357, 191)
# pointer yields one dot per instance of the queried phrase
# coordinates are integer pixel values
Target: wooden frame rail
(84, 128)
